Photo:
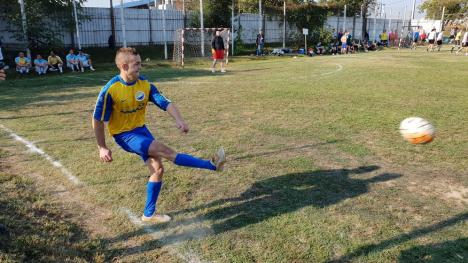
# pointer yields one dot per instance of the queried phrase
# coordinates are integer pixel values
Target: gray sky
(394, 6)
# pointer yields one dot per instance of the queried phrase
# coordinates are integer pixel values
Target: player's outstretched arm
(180, 123)
(104, 153)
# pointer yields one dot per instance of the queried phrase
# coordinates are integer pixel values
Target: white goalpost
(188, 43)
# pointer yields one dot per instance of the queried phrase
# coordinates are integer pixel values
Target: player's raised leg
(159, 150)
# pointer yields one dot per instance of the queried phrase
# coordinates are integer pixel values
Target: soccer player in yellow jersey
(122, 103)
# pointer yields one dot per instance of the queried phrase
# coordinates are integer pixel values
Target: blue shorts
(136, 141)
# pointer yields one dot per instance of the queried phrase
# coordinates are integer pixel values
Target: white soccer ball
(417, 130)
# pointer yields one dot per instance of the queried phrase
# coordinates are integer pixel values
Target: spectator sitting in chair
(23, 64)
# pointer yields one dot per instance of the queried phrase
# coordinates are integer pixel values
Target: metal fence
(145, 27)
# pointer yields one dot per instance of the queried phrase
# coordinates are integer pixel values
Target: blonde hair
(123, 53)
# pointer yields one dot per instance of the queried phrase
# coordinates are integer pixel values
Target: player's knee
(161, 152)
(159, 172)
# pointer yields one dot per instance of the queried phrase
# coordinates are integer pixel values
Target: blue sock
(152, 193)
(183, 159)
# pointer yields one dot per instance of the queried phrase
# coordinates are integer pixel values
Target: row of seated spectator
(74, 62)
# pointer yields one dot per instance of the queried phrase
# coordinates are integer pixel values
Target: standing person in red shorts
(217, 49)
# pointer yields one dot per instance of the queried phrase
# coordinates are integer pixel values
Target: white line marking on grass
(33, 148)
(88, 78)
(338, 69)
(188, 256)
(43, 102)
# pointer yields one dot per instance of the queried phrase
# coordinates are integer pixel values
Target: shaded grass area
(34, 229)
(317, 170)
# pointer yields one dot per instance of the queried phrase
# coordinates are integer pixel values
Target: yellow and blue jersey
(123, 104)
(22, 61)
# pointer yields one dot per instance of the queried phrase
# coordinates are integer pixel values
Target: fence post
(284, 24)
(164, 30)
(202, 34)
(122, 19)
(150, 24)
(232, 27)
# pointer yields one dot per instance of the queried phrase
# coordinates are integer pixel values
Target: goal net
(196, 43)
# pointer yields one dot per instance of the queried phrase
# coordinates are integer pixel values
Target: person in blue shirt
(41, 65)
(72, 61)
(122, 105)
(415, 39)
(84, 61)
(23, 64)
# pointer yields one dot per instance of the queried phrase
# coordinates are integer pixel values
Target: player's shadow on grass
(442, 252)
(288, 193)
(265, 199)
(449, 251)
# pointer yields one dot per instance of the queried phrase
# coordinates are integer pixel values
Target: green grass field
(317, 170)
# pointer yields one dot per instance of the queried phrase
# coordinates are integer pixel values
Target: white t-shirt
(432, 35)
(440, 36)
(465, 37)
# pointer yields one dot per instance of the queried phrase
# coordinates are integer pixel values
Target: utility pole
(23, 21)
(76, 25)
(344, 18)
(122, 19)
(232, 27)
(403, 22)
(284, 24)
(390, 21)
(112, 22)
(412, 15)
(442, 20)
(260, 17)
(202, 34)
(184, 13)
(375, 22)
(150, 23)
(164, 29)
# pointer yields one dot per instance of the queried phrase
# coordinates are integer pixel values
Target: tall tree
(455, 8)
(44, 19)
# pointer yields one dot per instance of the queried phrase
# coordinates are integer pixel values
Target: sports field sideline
(317, 170)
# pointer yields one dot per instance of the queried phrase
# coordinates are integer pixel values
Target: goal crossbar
(196, 42)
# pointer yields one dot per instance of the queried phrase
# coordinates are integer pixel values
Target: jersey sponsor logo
(140, 106)
(139, 95)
